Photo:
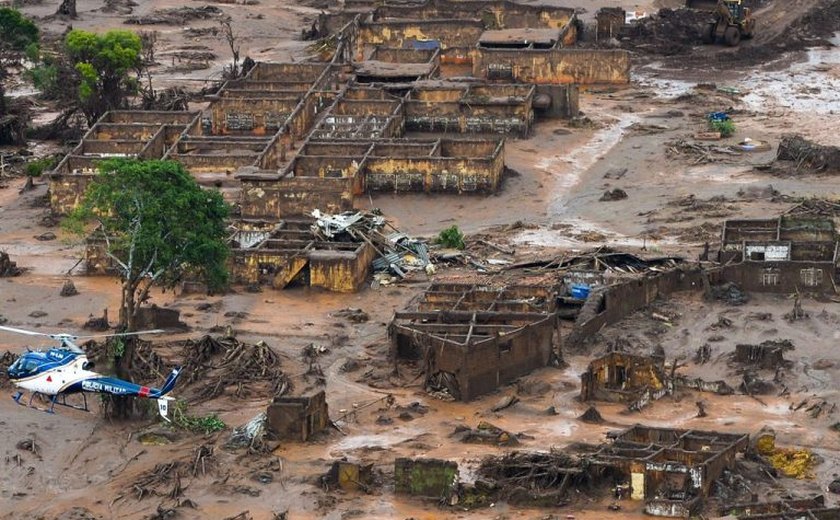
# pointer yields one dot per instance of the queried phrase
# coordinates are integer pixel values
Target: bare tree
(227, 29)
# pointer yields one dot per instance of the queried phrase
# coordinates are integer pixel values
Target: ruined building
(673, 471)
(472, 339)
(275, 254)
(620, 377)
(782, 254)
(288, 138)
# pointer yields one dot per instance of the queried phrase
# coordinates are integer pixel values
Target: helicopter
(65, 369)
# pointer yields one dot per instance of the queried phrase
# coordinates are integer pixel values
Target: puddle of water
(809, 86)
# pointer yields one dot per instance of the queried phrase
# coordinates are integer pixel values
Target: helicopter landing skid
(58, 399)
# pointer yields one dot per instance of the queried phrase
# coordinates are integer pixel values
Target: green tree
(18, 32)
(104, 65)
(159, 226)
(17, 35)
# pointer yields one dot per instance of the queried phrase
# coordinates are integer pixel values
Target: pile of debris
(397, 253)
(808, 155)
(485, 433)
(164, 480)
(816, 207)
(728, 292)
(211, 366)
(699, 153)
(669, 32)
(7, 267)
(175, 16)
(225, 365)
(530, 477)
(146, 367)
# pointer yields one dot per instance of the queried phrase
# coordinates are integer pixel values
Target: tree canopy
(18, 32)
(103, 63)
(159, 224)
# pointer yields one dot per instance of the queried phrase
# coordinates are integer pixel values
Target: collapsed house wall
(341, 271)
(624, 378)
(673, 471)
(609, 305)
(276, 254)
(782, 254)
(431, 478)
(297, 418)
(67, 190)
(119, 133)
(782, 277)
(475, 339)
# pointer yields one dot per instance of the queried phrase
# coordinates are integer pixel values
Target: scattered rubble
(613, 194)
(351, 314)
(485, 433)
(69, 288)
(7, 267)
(699, 153)
(592, 416)
(730, 293)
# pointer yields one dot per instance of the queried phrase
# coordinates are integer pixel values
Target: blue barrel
(580, 291)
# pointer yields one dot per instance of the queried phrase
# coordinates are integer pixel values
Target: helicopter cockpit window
(23, 366)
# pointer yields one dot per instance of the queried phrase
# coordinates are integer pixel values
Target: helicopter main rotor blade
(152, 331)
(23, 331)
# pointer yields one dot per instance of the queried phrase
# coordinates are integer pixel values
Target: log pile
(808, 155)
(816, 207)
(533, 474)
(242, 369)
(700, 153)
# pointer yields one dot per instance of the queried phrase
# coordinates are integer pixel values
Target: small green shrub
(452, 237)
(726, 127)
(36, 167)
(208, 424)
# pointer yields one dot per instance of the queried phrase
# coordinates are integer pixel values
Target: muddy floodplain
(695, 375)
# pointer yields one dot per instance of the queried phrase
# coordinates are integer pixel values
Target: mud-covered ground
(631, 138)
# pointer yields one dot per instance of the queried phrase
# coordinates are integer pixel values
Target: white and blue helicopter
(65, 369)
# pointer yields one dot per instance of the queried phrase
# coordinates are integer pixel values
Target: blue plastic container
(580, 291)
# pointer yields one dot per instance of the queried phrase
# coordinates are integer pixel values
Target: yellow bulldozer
(731, 20)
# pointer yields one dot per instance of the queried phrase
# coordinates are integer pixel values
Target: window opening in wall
(500, 71)
(811, 277)
(769, 277)
(620, 375)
